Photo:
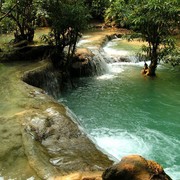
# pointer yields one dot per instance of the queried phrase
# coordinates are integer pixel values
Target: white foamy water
(115, 68)
(174, 171)
(120, 143)
(111, 51)
(114, 52)
(106, 76)
(147, 143)
(81, 42)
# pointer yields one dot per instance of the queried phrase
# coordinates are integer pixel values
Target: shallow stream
(127, 113)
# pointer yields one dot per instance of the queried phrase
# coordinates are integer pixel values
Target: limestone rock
(135, 167)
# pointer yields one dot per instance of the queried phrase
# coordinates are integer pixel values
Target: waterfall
(99, 62)
(104, 63)
(124, 54)
(45, 78)
(104, 58)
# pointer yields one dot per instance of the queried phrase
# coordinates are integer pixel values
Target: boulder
(82, 64)
(135, 167)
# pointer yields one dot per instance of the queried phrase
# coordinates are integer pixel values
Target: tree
(22, 14)
(152, 20)
(68, 18)
(156, 20)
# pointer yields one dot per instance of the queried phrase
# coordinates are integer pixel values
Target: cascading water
(99, 62)
(48, 80)
(121, 54)
(126, 113)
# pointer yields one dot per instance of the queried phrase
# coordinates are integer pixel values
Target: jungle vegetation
(154, 21)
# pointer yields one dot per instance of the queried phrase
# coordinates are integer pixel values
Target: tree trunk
(152, 69)
(154, 59)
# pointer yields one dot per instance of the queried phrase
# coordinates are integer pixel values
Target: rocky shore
(38, 134)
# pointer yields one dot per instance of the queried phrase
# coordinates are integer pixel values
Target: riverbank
(37, 134)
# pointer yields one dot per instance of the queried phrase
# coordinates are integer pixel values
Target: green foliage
(6, 26)
(41, 15)
(155, 17)
(68, 18)
(22, 14)
(170, 55)
(117, 13)
(154, 20)
(48, 39)
(97, 8)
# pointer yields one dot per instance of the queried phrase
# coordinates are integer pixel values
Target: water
(127, 113)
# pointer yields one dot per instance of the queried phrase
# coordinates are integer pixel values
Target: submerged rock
(82, 63)
(135, 167)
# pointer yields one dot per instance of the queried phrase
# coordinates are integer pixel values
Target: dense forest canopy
(154, 21)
